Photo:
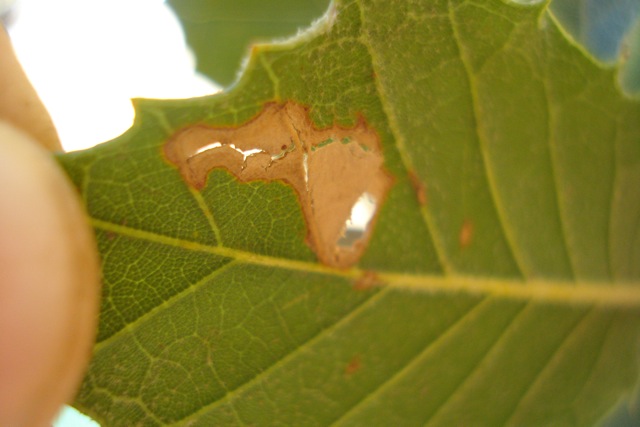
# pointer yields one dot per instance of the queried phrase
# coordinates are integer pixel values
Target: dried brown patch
(333, 170)
(353, 366)
(466, 234)
(419, 188)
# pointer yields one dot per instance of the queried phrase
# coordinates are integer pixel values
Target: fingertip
(49, 284)
(20, 105)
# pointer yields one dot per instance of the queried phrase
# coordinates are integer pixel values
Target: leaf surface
(500, 283)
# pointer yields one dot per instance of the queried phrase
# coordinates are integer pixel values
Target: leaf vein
(615, 186)
(490, 349)
(202, 204)
(392, 121)
(491, 180)
(597, 358)
(553, 160)
(415, 361)
(131, 327)
(623, 294)
(231, 394)
(538, 378)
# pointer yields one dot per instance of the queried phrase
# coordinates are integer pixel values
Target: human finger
(49, 284)
(19, 103)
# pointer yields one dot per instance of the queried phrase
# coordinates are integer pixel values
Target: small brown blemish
(337, 172)
(368, 280)
(466, 234)
(418, 188)
(625, 51)
(353, 366)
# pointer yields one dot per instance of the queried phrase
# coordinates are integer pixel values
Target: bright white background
(88, 58)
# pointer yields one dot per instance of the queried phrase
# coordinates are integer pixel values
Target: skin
(19, 103)
(49, 271)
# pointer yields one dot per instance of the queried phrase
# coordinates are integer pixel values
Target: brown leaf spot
(418, 188)
(366, 281)
(466, 234)
(353, 366)
(337, 172)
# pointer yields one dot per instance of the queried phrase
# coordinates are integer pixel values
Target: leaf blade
(403, 319)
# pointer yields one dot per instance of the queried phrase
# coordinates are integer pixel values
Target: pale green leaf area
(506, 256)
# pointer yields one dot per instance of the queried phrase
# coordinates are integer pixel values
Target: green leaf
(500, 285)
(220, 32)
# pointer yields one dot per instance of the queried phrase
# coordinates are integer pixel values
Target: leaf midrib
(620, 294)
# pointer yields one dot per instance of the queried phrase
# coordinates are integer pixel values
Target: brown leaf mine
(336, 172)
